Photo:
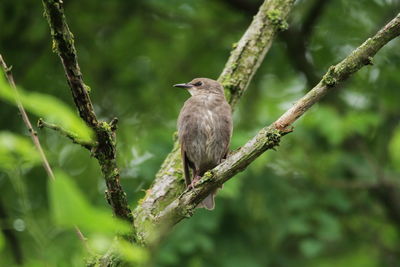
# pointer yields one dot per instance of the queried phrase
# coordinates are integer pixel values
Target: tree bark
(104, 150)
(241, 66)
(151, 221)
(164, 203)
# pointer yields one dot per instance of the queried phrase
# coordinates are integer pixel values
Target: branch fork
(163, 204)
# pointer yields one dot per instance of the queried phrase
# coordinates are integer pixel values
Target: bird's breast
(204, 130)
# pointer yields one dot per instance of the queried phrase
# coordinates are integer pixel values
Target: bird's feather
(185, 163)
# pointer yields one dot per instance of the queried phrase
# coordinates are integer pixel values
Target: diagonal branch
(269, 137)
(356, 60)
(244, 61)
(251, 49)
(105, 151)
(63, 44)
(296, 37)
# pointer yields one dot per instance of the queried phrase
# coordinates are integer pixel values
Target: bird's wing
(185, 163)
(226, 129)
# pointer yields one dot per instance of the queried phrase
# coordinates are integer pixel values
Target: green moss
(87, 88)
(114, 172)
(369, 61)
(276, 18)
(54, 46)
(207, 176)
(105, 126)
(230, 87)
(330, 78)
(234, 65)
(283, 26)
(273, 138)
(175, 136)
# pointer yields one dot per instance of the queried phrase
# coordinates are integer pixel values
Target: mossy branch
(267, 138)
(241, 66)
(72, 136)
(251, 49)
(104, 151)
(356, 60)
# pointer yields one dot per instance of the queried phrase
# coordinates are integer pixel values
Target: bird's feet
(194, 182)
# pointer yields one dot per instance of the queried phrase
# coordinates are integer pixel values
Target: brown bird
(204, 129)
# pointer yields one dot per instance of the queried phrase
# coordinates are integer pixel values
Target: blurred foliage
(69, 208)
(48, 107)
(327, 197)
(16, 150)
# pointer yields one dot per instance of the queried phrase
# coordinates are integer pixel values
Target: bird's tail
(209, 203)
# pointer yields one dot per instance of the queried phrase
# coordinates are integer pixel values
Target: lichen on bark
(245, 58)
(104, 150)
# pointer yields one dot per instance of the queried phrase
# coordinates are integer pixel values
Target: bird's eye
(198, 84)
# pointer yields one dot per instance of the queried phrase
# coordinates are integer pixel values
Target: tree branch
(105, 151)
(269, 137)
(296, 37)
(251, 49)
(242, 64)
(73, 137)
(357, 59)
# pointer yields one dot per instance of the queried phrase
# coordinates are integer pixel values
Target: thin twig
(75, 139)
(33, 134)
(269, 137)
(25, 118)
(82, 238)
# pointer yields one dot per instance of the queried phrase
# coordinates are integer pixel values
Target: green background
(329, 195)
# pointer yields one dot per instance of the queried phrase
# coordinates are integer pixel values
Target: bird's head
(202, 86)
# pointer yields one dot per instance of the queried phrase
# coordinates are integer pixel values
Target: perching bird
(204, 130)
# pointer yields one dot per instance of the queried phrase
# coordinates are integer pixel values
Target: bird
(204, 131)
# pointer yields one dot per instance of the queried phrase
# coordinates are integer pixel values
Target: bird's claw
(190, 186)
(194, 182)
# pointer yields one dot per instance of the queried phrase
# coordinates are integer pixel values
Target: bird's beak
(183, 85)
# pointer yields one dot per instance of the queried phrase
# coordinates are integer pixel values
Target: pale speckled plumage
(204, 127)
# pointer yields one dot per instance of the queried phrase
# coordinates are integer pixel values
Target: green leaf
(17, 150)
(100, 243)
(48, 107)
(70, 208)
(310, 247)
(132, 253)
(394, 148)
